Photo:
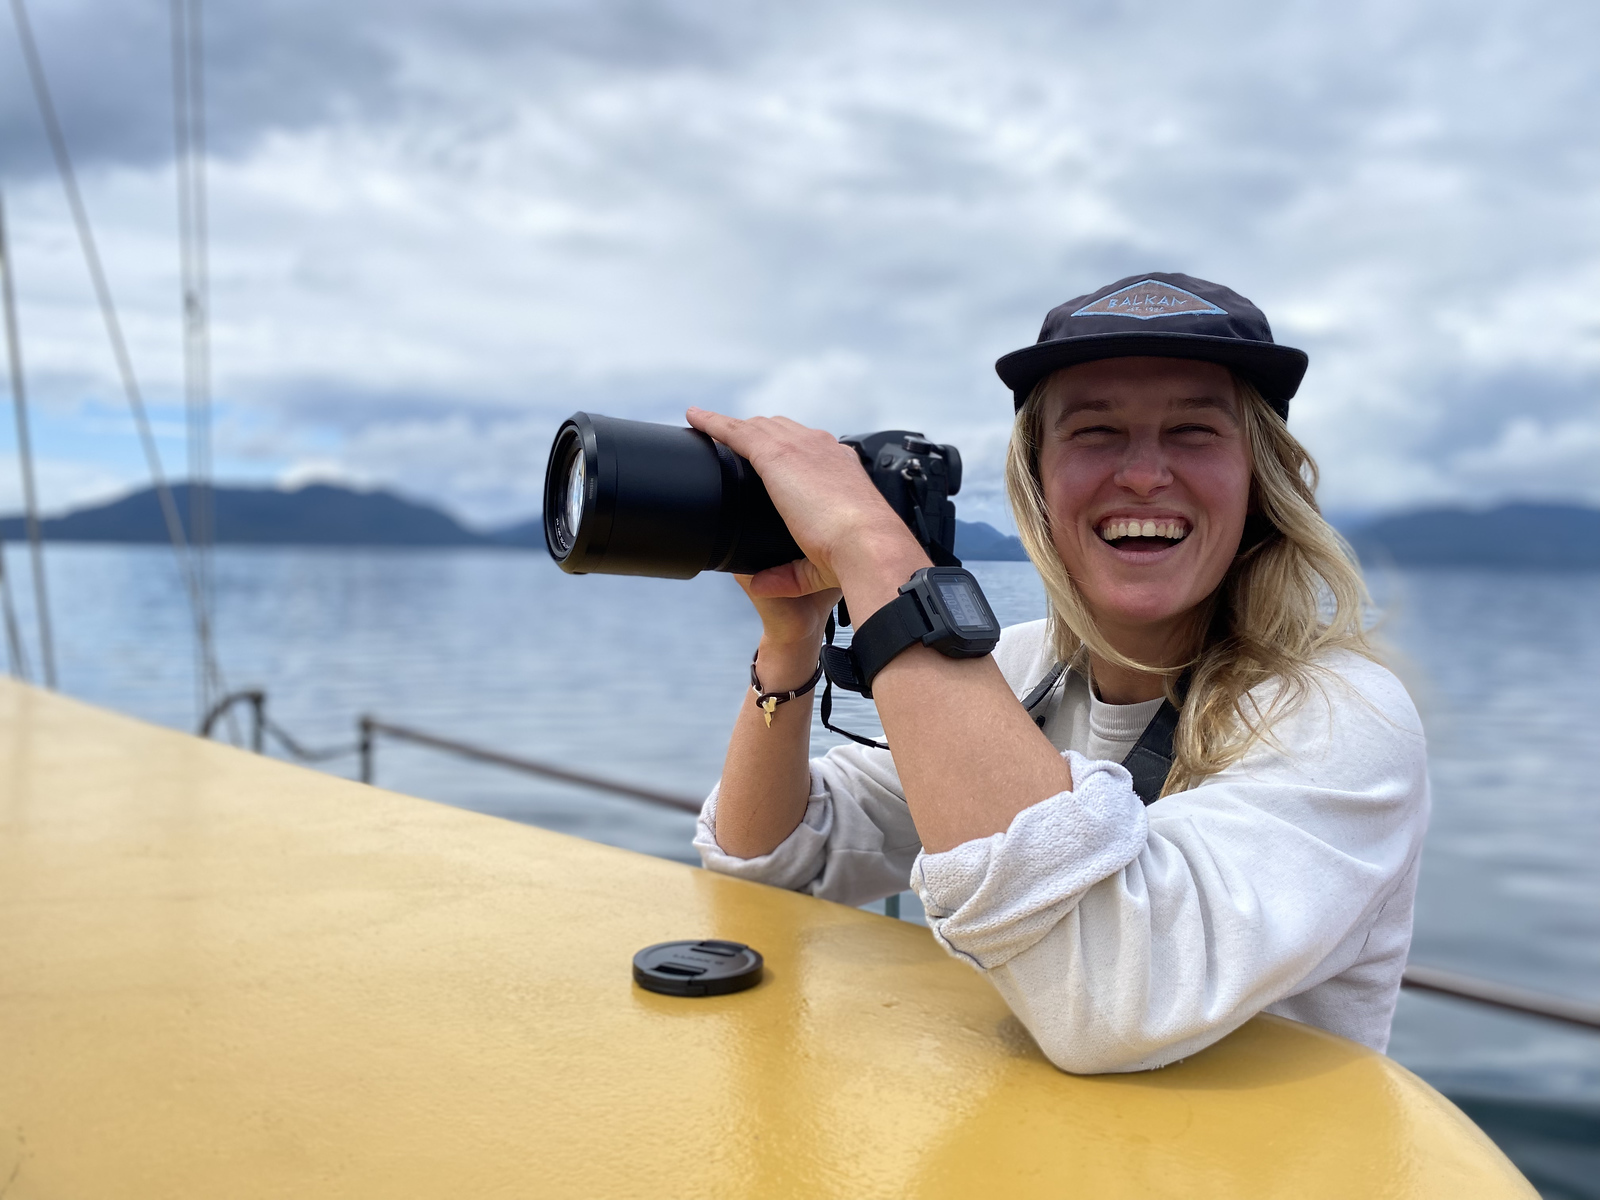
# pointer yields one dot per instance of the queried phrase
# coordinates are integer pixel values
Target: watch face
(964, 602)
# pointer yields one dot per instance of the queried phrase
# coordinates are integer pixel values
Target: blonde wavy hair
(1293, 594)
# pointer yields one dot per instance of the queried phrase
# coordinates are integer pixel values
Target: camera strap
(837, 664)
(1150, 760)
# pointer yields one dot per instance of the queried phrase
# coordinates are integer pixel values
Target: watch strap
(897, 626)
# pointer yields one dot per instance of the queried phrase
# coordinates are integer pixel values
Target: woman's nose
(1143, 470)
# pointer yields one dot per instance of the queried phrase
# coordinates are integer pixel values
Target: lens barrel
(657, 500)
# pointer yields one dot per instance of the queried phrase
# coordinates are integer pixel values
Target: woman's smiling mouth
(1147, 535)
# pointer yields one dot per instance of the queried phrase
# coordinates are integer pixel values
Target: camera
(635, 498)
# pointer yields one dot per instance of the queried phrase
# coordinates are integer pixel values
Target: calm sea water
(640, 679)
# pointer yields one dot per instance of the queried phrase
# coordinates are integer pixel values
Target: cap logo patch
(1148, 300)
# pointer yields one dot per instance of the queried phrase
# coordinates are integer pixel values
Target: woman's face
(1146, 474)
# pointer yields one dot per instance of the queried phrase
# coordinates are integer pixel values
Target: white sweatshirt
(1127, 937)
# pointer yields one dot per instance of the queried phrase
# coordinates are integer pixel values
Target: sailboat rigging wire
(119, 348)
(15, 659)
(30, 494)
(188, 119)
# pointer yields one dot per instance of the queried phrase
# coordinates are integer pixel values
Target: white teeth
(1115, 530)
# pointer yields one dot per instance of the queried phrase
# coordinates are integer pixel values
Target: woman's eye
(1194, 431)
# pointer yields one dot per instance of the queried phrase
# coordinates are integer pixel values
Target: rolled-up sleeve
(792, 864)
(1127, 938)
(855, 844)
(990, 899)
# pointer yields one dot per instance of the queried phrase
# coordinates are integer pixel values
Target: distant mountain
(328, 515)
(982, 542)
(974, 540)
(1542, 536)
(317, 515)
(525, 535)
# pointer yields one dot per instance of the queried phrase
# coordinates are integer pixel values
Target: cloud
(828, 390)
(68, 482)
(1540, 460)
(438, 230)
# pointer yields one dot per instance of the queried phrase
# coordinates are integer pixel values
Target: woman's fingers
(785, 617)
(799, 578)
(716, 424)
(741, 436)
(776, 583)
(749, 436)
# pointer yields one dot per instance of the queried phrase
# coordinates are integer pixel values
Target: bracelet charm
(767, 701)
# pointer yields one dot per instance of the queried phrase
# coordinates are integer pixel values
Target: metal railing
(263, 726)
(1504, 996)
(370, 728)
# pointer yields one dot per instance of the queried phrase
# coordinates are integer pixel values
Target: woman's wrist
(783, 666)
(873, 570)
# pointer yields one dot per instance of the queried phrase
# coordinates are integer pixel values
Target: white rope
(119, 348)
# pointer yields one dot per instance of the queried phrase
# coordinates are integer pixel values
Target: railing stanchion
(258, 729)
(364, 744)
(255, 697)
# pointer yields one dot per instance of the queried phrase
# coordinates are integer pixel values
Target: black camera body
(917, 477)
(634, 498)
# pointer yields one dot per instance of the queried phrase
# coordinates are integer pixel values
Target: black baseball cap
(1160, 315)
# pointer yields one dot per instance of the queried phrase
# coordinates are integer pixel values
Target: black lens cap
(708, 968)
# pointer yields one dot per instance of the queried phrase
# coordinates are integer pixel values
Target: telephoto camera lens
(634, 498)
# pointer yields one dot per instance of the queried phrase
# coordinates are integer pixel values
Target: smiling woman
(1233, 595)
(1211, 798)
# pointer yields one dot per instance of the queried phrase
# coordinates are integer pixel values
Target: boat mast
(30, 495)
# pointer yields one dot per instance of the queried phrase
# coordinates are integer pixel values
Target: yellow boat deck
(223, 976)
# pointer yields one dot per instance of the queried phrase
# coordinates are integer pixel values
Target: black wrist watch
(941, 607)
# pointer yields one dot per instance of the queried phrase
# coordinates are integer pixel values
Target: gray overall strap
(1150, 760)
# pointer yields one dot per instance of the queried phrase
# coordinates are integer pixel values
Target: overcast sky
(440, 228)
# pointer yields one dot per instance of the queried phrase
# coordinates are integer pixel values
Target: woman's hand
(788, 619)
(831, 507)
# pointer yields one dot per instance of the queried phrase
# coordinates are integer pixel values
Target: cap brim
(1275, 370)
